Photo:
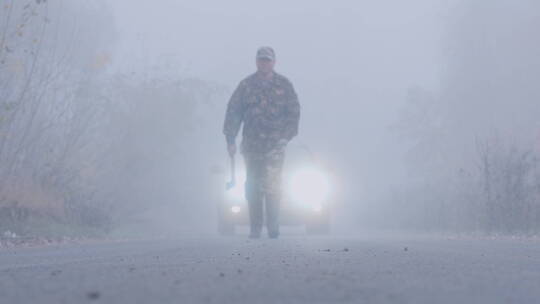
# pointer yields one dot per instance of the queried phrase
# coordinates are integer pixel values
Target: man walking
(267, 105)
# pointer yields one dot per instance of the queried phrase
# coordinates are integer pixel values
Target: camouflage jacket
(269, 110)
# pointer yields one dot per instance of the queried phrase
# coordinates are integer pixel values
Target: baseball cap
(266, 52)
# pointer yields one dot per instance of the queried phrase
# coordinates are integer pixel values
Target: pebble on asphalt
(93, 295)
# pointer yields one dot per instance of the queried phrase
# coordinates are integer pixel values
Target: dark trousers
(263, 189)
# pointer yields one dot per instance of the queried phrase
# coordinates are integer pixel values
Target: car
(306, 197)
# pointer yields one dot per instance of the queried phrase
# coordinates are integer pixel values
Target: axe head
(230, 185)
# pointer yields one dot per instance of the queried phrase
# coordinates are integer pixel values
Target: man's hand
(231, 148)
(282, 143)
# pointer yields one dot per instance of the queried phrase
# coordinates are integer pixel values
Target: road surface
(293, 269)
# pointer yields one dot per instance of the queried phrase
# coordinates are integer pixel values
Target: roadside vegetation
(81, 145)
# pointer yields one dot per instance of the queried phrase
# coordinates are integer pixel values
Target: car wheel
(225, 227)
(320, 226)
(318, 229)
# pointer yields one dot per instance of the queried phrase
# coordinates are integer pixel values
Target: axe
(230, 184)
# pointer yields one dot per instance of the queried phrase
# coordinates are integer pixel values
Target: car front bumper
(238, 214)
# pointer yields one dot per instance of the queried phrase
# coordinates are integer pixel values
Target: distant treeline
(474, 159)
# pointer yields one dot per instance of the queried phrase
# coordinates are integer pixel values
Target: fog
(425, 112)
(351, 65)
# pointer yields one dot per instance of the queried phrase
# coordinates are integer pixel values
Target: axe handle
(233, 170)
(232, 182)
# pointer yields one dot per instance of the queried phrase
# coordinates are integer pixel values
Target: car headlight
(309, 186)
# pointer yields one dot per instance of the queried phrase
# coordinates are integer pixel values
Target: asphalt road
(293, 269)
